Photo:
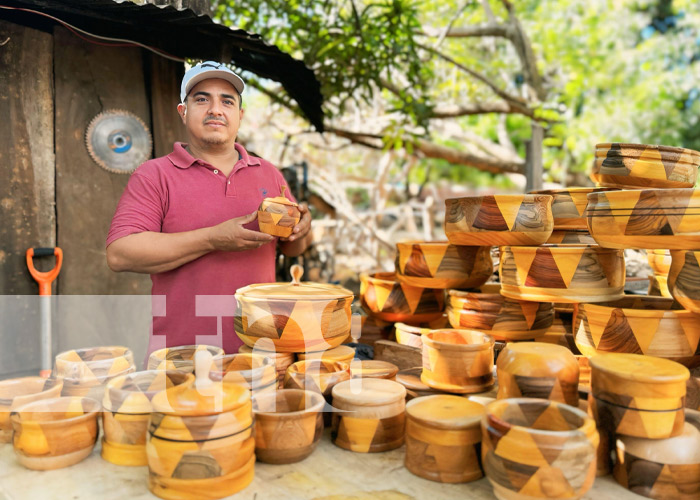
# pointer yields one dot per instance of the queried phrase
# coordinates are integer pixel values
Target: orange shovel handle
(44, 278)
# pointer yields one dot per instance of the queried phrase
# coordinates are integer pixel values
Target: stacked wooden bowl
(387, 299)
(20, 391)
(85, 372)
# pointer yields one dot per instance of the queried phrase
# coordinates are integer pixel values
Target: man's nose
(215, 107)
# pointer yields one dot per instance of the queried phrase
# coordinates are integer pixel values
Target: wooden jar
(509, 219)
(179, 358)
(438, 264)
(373, 368)
(533, 448)
(369, 415)
(638, 396)
(562, 273)
(20, 391)
(684, 279)
(317, 375)
(265, 347)
(342, 353)
(253, 371)
(661, 468)
(55, 433)
(538, 370)
(443, 438)
(458, 361)
(278, 216)
(127, 410)
(383, 296)
(410, 379)
(288, 425)
(86, 371)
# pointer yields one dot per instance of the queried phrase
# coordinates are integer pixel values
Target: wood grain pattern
(265, 347)
(86, 371)
(381, 295)
(410, 335)
(568, 207)
(571, 237)
(317, 375)
(257, 373)
(374, 368)
(659, 261)
(684, 279)
(20, 391)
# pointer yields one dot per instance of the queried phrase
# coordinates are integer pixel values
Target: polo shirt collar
(181, 158)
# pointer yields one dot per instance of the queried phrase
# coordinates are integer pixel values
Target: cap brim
(223, 75)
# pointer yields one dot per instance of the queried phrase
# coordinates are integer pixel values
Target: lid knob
(202, 365)
(297, 272)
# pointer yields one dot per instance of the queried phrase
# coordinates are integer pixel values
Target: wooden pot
(127, 410)
(538, 370)
(373, 368)
(510, 219)
(86, 371)
(387, 299)
(459, 361)
(369, 415)
(638, 396)
(282, 360)
(443, 438)
(253, 371)
(648, 218)
(179, 358)
(562, 273)
(316, 375)
(342, 353)
(684, 279)
(568, 207)
(288, 425)
(17, 392)
(571, 237)
(438, 264)
(54, 433)
(410, 379)
(296, 316)
(534, 448)
(636, 166)
(661, 468)
(502, 318)
(278, 216)
(640, 325)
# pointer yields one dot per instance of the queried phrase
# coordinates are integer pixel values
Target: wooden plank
(165, 77)
(403, 356)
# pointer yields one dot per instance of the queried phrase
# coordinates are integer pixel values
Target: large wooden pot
(568, 206)
(55, 433)
(278, 216)
(562, 273)
(179, 358)
(684, 279)
(387, 299)
(509, 219)
(534, 448)
(17, 392)
(127, 410)
(288, 425)
(253, 371)
(639, 325)
(459, 361)
(443, 438)
(438, 264)
(85, 372)
(266, 348)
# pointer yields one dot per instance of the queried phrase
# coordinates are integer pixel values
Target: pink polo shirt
(194, 303)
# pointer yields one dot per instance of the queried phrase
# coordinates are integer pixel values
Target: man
(189, 218)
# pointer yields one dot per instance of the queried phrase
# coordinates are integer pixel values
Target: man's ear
(182, 111)
(240, 117)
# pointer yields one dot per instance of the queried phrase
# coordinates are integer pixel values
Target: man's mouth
(215, 123)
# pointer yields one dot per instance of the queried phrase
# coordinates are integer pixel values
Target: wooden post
(533, 159)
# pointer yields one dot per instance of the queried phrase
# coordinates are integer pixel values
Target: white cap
(206, 70)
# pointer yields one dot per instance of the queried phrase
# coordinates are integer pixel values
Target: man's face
(212, 114)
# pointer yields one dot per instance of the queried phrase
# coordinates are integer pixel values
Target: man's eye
(229, 102)
(200, 99)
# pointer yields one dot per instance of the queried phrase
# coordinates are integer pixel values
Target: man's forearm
(296, 247)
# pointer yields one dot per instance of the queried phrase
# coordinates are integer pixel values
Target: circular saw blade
(118, 141)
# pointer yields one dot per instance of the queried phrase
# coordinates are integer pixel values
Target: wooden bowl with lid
(638, 396)
(16, 392)
(55, 433)
(534, 448)
(509, 219)
(569, 205)
(655, 326)
(439, 264)
(86, 371)
(389, 300)
(684, 278)
(278, 216)
(317, 375)
(256, 372)
(179, 357)
(459, 361)
(374, 368)
(562, 273)
(633, 166)
(296, 316)
(538, 370)
(288, 425)
(443, 438)
(369, 415)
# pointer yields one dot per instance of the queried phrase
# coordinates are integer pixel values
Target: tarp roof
(184, 34)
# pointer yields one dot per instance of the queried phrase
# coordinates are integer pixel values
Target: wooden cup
(20, 391)
(85, 372)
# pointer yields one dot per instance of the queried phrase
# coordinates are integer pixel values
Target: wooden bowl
(568, 207)
(86, 371)
(684, 279)
(534, 448)
(296, 316)
(644, 166)
(54, 433)
(20, 391)
(410, 379)
(661, 468)
(369, 415)
(654, 326)
(387, 299)
(342, 353)
(649, 218)
(438, 264)
(571, 237)
(179, 358)
(638, 396)
(443, 438)
(538, 370)
(658, 287)
(503, 319)
(372, 368)
(278, 216)
(288, 425)
(127, 410)
(459, 361)
(562, 273)
(659, 261)
(317, 375)
(266, 348)
(256, 372)
(510, 219)
(410, 335)
(692, 393)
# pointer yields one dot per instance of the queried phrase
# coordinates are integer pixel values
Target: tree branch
(447, 29)
(454, 111)
(479, 30)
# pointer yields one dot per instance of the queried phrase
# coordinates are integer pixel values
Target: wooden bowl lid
(539, 349)
(640, 368)
(683, 449)
(24, 386)
(446, 411)
(339, 353)
(57, 412)
(373, 368)
(295, 290)
(410, 379)
(281, 200)
(369, 391)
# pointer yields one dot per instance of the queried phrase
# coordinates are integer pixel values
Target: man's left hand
(303, 226)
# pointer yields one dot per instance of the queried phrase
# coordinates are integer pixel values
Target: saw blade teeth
(118, 141)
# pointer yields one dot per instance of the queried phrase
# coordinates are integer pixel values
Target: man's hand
(303, 226)
(231, 236)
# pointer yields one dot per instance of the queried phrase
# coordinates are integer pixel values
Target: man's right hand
(231, 236)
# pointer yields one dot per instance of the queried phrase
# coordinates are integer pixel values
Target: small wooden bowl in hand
(278, 216)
